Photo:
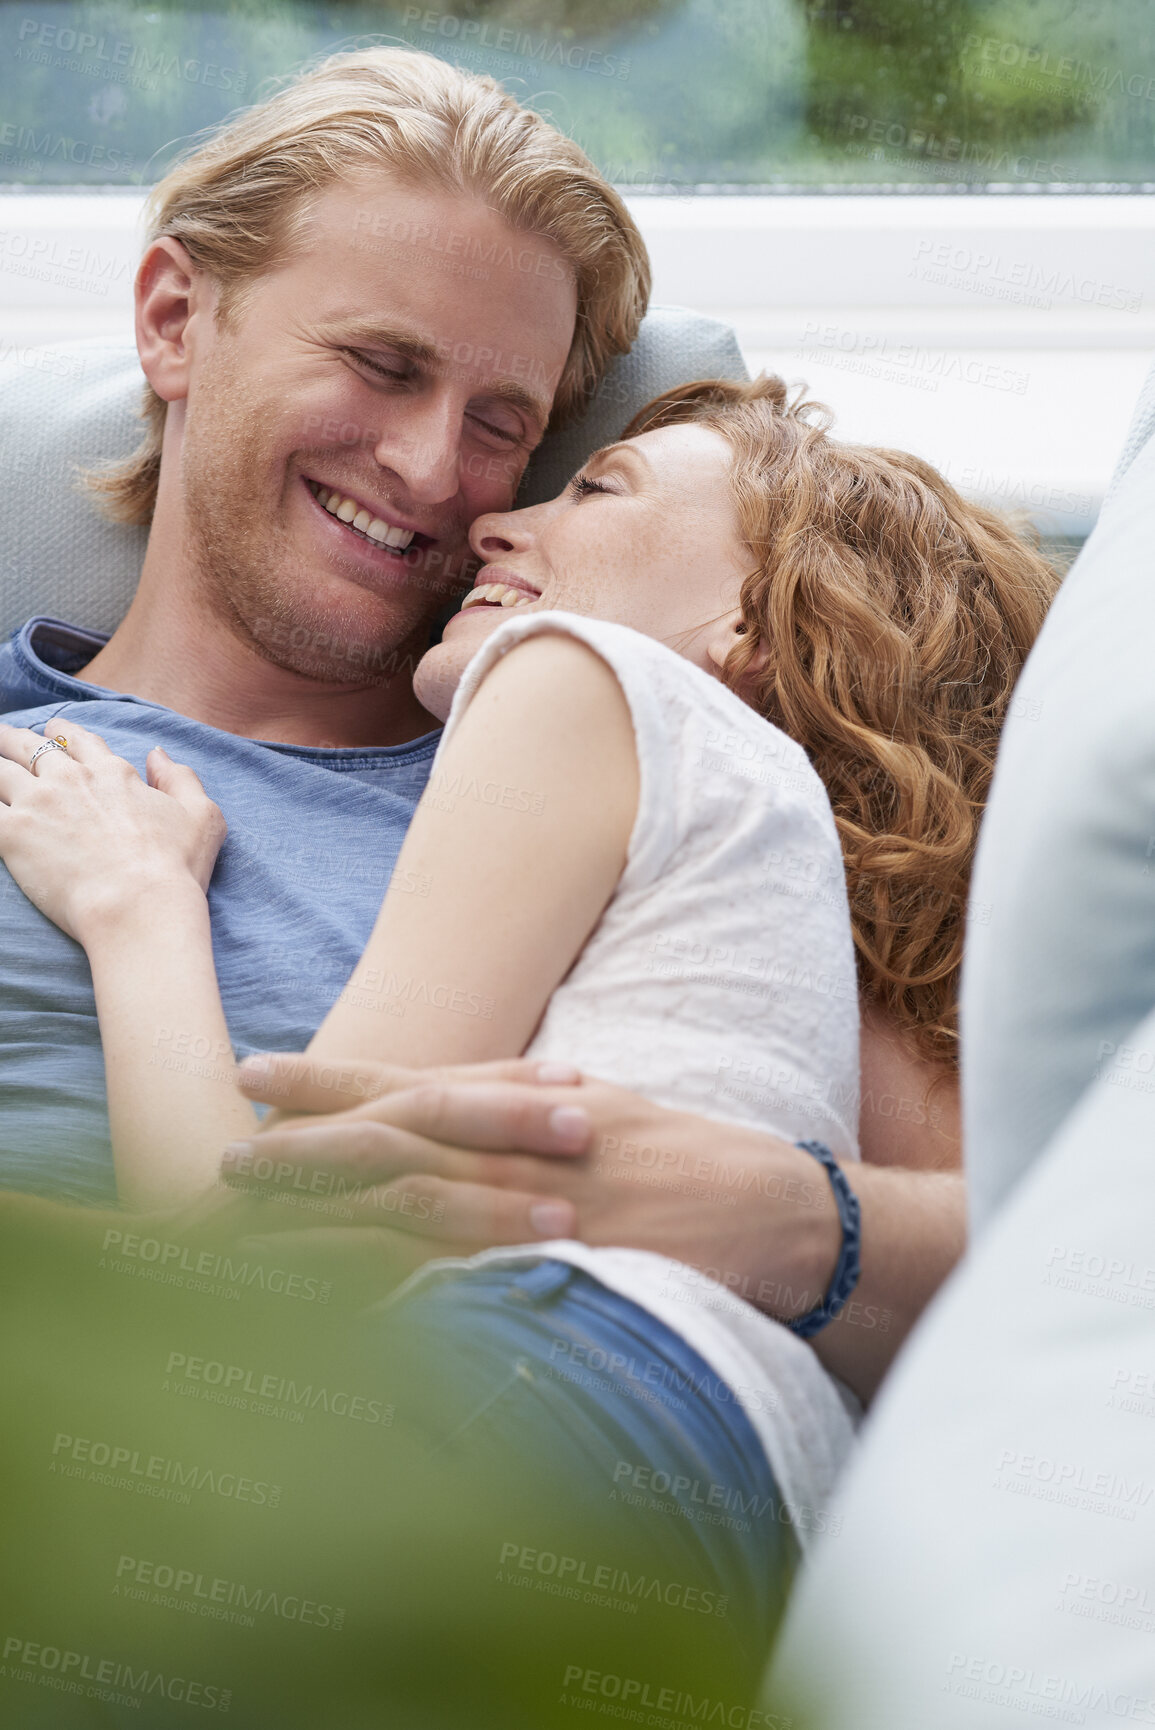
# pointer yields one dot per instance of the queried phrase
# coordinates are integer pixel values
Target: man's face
(386, 384)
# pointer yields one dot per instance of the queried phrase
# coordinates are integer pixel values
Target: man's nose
(422, 446)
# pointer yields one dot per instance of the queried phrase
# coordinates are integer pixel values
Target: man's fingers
(409, 1222)
(461, 1131)
(471, 1214)
(491, 1117)
(335, 1161)
(297, 1082)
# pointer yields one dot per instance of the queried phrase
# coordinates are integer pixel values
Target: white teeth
(349, 511)
(379, 531)
(497, 594)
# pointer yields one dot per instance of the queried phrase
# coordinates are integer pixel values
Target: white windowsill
(1003, 337)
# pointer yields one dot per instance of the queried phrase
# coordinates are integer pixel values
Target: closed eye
(399, 373)
(511, 435)
(582, 485)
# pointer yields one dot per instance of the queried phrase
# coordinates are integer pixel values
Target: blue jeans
(539, 1365)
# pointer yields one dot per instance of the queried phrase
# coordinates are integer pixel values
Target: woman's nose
(500, 532)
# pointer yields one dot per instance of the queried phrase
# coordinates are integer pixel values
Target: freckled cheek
(592, 579)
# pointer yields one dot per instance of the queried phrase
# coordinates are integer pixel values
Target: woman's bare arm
(521, 837)
(122, 866)
(168, 1059)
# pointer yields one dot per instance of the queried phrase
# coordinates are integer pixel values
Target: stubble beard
(250, 577)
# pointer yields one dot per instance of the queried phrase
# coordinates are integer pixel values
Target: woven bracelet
(848, 1266)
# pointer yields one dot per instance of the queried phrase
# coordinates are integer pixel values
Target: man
(328, 409)
(330, 404)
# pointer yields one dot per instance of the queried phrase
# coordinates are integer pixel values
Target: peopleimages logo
(637, 1691)
(32, 1660)
(1029, 1690)
(239, 1380)
(467, 249)
(991, 273)
(153, 1473)
(203, 1270)
(1071, 1483)
(547, 50)
(216, 1597)
(603, 1583)
(50, 145)
(72, 50)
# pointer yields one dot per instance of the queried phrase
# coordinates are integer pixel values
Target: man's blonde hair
(238, 203)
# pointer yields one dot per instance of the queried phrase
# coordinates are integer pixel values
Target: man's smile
(365, 522)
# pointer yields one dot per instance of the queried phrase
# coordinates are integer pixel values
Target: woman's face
(645, 535)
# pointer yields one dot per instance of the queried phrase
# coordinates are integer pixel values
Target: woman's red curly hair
(893, 618)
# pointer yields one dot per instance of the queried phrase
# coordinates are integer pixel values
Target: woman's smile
(497, 586)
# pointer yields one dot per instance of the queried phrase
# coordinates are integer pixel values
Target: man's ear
(724, 633)
(172, 297)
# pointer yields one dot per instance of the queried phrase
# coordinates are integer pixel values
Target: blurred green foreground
(219, 1501)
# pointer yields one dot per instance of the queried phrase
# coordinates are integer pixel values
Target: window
(795, 165)
(665, 94)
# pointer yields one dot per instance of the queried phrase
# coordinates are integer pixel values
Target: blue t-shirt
(313, 838)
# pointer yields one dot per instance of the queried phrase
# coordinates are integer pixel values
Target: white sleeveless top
(720, 980)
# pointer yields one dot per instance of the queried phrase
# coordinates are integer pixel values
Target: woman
(626, 858)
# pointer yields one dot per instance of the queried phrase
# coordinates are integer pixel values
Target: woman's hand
(84, 836)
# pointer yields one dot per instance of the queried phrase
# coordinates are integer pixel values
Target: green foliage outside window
(670, 94)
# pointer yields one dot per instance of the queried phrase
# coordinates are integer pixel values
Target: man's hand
(512, 1152)
(392, 1158)
(516, 1152)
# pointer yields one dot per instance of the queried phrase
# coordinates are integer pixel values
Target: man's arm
(913, 1233)
(753, 1211)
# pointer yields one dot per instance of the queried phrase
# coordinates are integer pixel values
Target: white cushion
(995, 1562)
(77, 404)
(1060, 958)
(1138, 433)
